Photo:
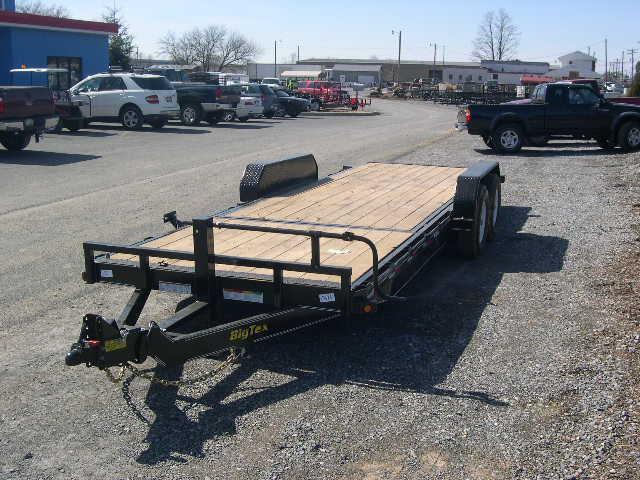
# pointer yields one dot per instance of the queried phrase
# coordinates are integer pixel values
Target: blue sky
(361, 29)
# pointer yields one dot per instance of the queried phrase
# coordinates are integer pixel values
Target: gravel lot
(522, 364)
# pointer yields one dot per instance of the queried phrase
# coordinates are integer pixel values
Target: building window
(495, 76)
(451, 76)
(64, 80)
(479, 78)
(460, 77)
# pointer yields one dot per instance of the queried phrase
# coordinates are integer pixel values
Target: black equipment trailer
(296, 252)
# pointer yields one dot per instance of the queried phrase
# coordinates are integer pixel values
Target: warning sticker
(242, 295)
(327, 297)
(174, 287)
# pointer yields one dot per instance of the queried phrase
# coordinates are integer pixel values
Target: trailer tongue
(298, 252)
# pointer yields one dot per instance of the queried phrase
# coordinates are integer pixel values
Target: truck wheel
(605, 143)
(629, 136)
(508, 138)
(228, 117)
(243, 119)
(131, 117)
(268, 115)
(15, 141)
(190, 115)
(472, 242)
(495, 201)
(72, 125)
(293, 113)
(213, 119)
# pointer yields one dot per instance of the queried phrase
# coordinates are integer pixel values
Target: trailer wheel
(472, 242)
(508, 138)
(15, 141)
(495, 201)
(629, 136)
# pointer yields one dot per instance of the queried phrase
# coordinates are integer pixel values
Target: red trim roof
(40, 21)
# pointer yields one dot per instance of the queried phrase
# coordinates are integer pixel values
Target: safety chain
(136, 372)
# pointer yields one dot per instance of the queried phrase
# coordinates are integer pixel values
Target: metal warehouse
(80, 47)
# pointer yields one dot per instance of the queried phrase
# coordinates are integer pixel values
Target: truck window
(582, 96)
(557, 96)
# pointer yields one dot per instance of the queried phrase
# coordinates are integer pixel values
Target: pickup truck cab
(25, 112)
(555, 109)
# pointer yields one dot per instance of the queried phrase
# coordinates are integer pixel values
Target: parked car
(212, 103)
(291, 105)
(268, 97)
(130, 98)
(249, 107)
(25, 112)
(318, 91)
(272, 82)
(555, 109)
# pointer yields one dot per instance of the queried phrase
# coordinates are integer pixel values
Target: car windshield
(152, 83)
(280, 93)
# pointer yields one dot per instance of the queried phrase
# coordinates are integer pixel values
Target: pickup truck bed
(387, 203)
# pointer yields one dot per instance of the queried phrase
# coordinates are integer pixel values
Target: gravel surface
(522, 364)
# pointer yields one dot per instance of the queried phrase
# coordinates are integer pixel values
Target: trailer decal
(244, 333)
(327, 297)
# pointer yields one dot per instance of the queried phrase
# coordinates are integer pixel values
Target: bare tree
(212, 47)
(497, 38)
(40, 8)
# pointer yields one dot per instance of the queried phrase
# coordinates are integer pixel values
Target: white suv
(130, 98)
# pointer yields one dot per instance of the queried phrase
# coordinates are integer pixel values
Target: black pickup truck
(25, 112)
(212, 103)
(555, 110)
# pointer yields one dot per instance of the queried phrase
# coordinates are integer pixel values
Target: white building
(575, 65)
(258, 71)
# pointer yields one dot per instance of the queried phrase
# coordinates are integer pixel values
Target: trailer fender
(261, 179)
(468, 186)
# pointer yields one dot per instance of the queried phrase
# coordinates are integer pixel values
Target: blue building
(36, 41)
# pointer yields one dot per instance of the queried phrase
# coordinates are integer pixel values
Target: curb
(341, 114)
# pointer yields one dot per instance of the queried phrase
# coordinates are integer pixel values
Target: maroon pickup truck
(25, 112)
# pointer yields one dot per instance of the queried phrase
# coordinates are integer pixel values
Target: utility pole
(275, 59)
(622, 68)
(298, 52)
(606, 62)
(393, 32)
(443, 48)
(633, 52)
(435, 52)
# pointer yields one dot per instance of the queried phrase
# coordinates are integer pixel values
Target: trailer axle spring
(234, 355)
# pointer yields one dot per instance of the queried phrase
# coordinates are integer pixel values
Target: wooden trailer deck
(386, 203)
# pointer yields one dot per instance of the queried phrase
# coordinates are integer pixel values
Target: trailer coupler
(104, 344)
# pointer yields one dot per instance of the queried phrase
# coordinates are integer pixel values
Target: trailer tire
(495, 201)
(629, 136)
(472, 242)
(508, 138)
(15, 141)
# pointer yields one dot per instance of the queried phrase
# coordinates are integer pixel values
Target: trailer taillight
(467, 115)
(152, 99)
(1, 105)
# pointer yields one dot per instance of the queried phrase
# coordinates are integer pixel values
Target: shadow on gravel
(148, 129)
(47, 159)
(411, 347)
(83, 133)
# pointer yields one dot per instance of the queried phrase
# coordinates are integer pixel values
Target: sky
(363, 29)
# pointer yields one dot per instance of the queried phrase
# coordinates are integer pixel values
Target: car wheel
(508, 138)
(471, 242)
(131, 118)
(15, 141)
(213, 119)
(293, 113)
(243, 119)
(629, 136)
(158, 124)
(605, 143)
(190, 115)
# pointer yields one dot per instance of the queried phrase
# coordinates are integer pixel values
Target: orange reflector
(367, 308)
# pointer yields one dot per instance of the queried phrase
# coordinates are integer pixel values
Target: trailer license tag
(327, 297)
(174, 287)
(106, 273)
(242, 295)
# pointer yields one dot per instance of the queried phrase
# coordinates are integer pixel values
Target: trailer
(296, 252)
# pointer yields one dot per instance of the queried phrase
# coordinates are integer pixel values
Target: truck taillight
(467, 115)
(218, 93)
(152, 99)
(1, 105)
